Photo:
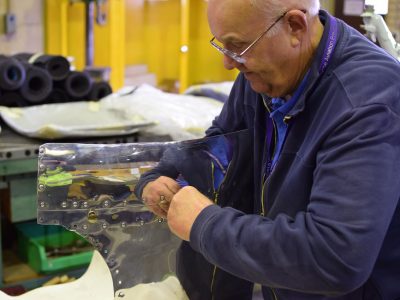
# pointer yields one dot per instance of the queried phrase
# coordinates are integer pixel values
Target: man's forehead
(232, 19)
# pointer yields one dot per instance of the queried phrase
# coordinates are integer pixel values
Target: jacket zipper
(216, 194)
(273, 294)
(212, 282)
(265, 178)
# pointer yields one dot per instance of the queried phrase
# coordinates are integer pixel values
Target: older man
(322, 104)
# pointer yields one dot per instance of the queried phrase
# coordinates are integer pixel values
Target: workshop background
(158, 47)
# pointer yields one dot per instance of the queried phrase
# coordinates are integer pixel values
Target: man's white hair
(274, 8)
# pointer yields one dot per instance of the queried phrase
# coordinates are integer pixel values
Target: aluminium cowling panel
(88, 188)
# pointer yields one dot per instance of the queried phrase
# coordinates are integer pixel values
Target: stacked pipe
(29, 79)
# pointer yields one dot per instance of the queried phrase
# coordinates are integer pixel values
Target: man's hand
(184, 208)
(157, 195)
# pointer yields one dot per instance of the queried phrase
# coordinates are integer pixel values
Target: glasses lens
(227, 52)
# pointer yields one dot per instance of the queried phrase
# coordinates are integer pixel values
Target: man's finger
(170, 184)
(155, 207)
(174, 187)
(158, 211)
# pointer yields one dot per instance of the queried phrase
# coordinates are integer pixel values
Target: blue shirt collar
(283, 106)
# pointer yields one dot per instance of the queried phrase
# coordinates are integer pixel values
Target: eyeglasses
(238, 57)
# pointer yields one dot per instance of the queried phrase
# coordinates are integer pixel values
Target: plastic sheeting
(219, 91)
(180, 116)
(144, 108)
(96, 284)
(77, 119)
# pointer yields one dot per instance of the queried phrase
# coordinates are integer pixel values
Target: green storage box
(49, 249)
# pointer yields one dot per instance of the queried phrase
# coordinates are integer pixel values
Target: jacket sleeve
(166, 167)
(331, 247)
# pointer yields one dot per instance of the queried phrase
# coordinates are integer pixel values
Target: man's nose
(230, 63)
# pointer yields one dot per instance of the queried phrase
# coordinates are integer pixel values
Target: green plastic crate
(34, 240)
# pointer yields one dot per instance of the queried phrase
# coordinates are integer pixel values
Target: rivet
(41, 187)
(92, 216)
(121, 294)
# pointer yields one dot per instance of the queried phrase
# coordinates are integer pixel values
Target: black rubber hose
(58, 95)
(13, 99)
(77, 85)
(99, 90)
(12, 73)
(37, 86)
(23, 56)
(57, 66)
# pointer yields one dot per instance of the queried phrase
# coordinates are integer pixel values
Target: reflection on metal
(88, 189)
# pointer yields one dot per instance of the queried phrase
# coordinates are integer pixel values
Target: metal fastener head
(92, 216)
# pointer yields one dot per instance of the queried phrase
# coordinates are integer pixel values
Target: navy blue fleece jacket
(326, 222)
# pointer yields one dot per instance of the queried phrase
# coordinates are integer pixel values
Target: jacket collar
(314, 71)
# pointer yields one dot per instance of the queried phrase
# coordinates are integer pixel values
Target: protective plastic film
(89, 189)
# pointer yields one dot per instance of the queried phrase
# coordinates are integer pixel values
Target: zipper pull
(287, 119)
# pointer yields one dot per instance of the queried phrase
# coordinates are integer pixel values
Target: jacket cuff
(200, 225)
(138, 189)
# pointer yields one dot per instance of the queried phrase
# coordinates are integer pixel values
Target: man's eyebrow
(230, 38)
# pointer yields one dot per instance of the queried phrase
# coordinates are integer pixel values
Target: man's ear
(298, 26)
